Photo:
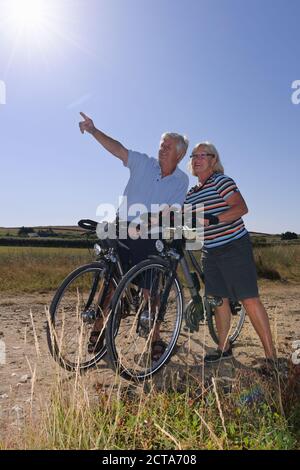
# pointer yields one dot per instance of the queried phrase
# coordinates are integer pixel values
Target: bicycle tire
(212, 328)
(115, 338)
(55, 343)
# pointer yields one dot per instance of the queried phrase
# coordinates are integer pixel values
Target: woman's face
(202, 161)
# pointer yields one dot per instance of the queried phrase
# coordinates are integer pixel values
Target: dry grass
(127, 418)
(278, 262)
(26, 269)
(188, 414)
(249, 412)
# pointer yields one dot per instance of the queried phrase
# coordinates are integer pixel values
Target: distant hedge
(47, 242)
(289, 236)
(84, 243)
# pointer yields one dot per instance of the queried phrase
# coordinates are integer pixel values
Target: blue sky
(218, 70)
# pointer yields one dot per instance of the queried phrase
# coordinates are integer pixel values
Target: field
(186, 406)
(41, 269)
(60, 231)
(31, 269)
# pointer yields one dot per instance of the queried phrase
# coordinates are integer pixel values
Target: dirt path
(29, 371)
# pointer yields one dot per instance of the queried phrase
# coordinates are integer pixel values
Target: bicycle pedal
(214, 301)
(88, 316)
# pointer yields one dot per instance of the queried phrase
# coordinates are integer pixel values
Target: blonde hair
(210, 148)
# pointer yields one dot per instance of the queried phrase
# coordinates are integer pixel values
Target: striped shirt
(213, 195)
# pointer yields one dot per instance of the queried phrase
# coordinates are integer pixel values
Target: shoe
(218, 355)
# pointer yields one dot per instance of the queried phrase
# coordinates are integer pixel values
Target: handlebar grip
(88, 224)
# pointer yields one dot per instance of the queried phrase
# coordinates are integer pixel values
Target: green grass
(60, 230)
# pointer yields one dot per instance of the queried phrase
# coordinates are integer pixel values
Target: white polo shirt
(146, 186)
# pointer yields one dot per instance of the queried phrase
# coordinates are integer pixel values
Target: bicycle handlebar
(91, 225)
(88, 224)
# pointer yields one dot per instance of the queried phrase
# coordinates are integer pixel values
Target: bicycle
(79, 302)
(130, 338)
(237, 310)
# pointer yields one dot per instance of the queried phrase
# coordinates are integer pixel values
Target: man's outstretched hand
(87, 125)
(111, 145)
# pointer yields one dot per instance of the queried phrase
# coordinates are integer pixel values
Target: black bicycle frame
(196, 297)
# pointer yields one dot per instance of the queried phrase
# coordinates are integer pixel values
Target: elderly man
(152, 181)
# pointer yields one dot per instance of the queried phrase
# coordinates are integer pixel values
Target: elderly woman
(228, 262)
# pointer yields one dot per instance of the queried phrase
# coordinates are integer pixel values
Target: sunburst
(35, 27)
(26, 14)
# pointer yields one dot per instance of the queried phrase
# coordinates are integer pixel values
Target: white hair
(182, 141)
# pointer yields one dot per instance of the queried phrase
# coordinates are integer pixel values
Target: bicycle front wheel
(73, 312)
(153, 318)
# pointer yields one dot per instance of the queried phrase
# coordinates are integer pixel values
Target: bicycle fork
(197, 313)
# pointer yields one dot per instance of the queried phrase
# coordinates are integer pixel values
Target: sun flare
(31, 28)
(35, 30)
(27, 13)
(26, 16)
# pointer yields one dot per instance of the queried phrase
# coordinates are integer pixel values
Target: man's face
(168, 152)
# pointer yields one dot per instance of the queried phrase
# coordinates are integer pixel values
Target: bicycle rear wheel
(131, 336)
(73, 311)
(237, 321)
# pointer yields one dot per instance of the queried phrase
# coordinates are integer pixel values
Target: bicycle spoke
(132, 337)
(73, 318)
